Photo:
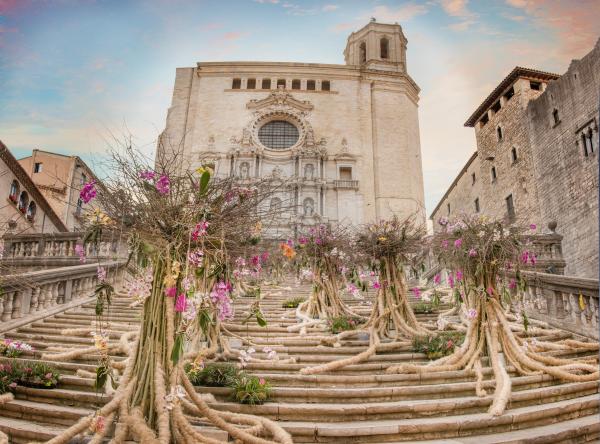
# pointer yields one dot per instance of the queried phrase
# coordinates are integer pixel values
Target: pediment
(280, 98)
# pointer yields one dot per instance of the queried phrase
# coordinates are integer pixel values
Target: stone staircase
(360, 403)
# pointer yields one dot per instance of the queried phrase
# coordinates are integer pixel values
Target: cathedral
(343, 140)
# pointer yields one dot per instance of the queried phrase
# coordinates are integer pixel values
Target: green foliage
(103, 292)
(38, 374)
(177, 351)
(103, 374)
(343, 323)
(252, 292)
(437, 346)
(9, 375)
(251, 390)
(422, 308)
(293, 302)
(213, 374)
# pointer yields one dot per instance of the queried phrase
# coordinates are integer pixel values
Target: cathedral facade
(343, 140)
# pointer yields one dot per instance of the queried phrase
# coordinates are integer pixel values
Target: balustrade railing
(30, 292)
(566, 302)
(346, 184)
(36, 251)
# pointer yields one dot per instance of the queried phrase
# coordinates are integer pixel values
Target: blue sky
(74, 72)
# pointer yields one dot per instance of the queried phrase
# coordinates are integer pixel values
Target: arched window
(14, 191)
(362, 51)
(384, 48)
(79, 207)
(31, 209)
(23, 201)
(584, 144)
(500, 135)
(591, 137)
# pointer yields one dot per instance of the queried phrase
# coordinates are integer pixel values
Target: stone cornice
(16, 168)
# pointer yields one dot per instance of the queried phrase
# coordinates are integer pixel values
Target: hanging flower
(533, 227)
(472, 313)
(246, 356)
(180, 303)
(417, 292)
(147, 175)
(512, 284)
(80, 251)
(163, 184)
(100, 341)
(472, 252)
(458, 243)
(101, 273)
(98, 423)
(490, 291)
(200, 230)
(171, 292)
(459, 275)
(437, 279)
(88, 192)
(195, 257)
(271, 354)
(451, 280)
(376, 285)
(443, 221)
(445, 244)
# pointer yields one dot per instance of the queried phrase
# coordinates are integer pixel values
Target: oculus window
(278, 135)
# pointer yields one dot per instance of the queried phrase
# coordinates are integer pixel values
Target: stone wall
(461, 195)
(512, 177)
(566, 177)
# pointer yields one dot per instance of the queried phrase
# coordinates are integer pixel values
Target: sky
(73, 74)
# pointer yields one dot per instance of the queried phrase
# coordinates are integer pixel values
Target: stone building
(536, 162)
(343, 139)
(24, 210)
(564, 136)
(60, 178)
(463, 195)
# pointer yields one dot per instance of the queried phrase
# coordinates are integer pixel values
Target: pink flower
(88, 192)
(472, 252)
(443, 221)
(512, 284)
(302, 240)
(472, 313)
(437, 279)
(417, 292)
(451, 280)
(264, 257)
(171, 292)
(458, 243)
(180, 303)
(255, 260)
(262, 381)
(163, 184)
(48, 376)
(101, 272)
(533, 226)
(200, 230)
(80, 251)
(459, 275)
(490, 291)
(147, 175)
(376, 285)
(445, 244)
(195, 257)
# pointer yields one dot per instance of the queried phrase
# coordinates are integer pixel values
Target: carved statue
(244, 170)
(309, 207)
(309, 170)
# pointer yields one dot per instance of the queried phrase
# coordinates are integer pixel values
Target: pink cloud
(232, 36)
(576, 27)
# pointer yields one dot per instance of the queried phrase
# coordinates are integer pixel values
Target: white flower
(442, 323)
(176, 394)
(472, 313)
(271, 354)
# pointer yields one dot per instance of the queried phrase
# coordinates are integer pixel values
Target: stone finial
(552, 226)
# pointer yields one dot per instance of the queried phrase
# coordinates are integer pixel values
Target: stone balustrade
(566, 302)
(346, 184)
(24, 294)
(38, 251)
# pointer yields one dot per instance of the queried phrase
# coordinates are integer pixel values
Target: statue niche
(244, 170)
(309, 207)
(309, 171)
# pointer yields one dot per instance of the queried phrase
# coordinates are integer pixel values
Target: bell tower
(379, 46)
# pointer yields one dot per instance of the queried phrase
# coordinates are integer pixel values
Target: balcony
(345, 184)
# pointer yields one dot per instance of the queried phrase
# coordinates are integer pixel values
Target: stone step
(442, 428)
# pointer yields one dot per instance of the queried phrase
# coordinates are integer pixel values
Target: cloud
(459, 9)
(273, 2)
(403, 13)
(233, 36)
(329, 8)
(576, 27)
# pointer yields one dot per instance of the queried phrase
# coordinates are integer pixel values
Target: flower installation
(184, 232)
(478, 253)
(386, 246)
